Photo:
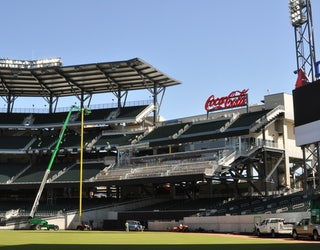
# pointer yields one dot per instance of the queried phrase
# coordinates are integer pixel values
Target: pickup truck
(305, 228)
(273, 227)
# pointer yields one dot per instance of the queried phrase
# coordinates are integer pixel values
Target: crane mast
(53, 156)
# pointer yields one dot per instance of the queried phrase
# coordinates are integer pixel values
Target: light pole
(301, 20)
(297, 12)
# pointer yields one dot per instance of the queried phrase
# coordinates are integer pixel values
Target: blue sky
(211, 46)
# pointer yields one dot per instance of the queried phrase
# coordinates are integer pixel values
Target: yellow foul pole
(81, 166)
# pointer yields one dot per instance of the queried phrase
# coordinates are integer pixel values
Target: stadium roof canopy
(86, 79)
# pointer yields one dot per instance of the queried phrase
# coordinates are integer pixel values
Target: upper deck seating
(247, 119)
(7, 171)
(73, 174)
(204, 128)
(163, 132)
(12, 118)
(114, 140)
(14, 142)
(131, 112)
(74, 140)
(200, 131)
(43, 142)
(97, 115)
(60, 117)
(53, 118)
(244, 121)
(36, 172)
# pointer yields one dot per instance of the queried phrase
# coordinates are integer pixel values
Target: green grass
(96, 240)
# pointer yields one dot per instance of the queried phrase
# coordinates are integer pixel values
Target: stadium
(123, 161)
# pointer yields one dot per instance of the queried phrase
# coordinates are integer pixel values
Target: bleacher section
(296, 202)
(220, 128)
(43, 142)
(244, 121)
(9, 171)
(164, 165)
(8, 142)
(62, 172)
(210, 129)
(114, 140)
(12, 119)
(121, 153)
(90, 170)
(218, 206)
(202, 130)
(177, 208)
(34, 173)
(99, 114)
(130, 112)
(58, 118)
(73, 140)
(206, 130)
(164, 132)
(53, 118)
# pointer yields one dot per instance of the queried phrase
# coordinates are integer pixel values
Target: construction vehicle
(38, 223)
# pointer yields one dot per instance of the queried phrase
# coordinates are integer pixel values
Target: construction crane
(35, 222)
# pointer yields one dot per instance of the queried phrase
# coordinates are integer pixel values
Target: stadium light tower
(301, 20)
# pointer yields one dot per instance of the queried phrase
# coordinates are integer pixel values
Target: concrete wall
(97, 216)
(223, 224)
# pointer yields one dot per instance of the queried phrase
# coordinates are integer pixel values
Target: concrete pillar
(286, 157)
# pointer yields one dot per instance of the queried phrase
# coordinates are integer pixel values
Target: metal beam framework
(83, 81)
(311, 163)
(301, 20)
(253, 171)
(304, 38)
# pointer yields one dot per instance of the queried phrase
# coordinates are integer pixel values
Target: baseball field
(96, 240)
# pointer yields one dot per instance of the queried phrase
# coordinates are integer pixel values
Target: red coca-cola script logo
(234, 99)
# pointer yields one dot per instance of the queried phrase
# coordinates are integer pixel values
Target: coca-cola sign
(234, 99)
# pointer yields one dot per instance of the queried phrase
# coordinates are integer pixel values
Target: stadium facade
(129, 153)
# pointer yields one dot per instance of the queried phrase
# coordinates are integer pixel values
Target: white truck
(273, 227)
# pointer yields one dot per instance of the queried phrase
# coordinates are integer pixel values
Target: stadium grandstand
(242, 160)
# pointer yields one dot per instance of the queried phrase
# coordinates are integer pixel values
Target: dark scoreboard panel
(306, 102)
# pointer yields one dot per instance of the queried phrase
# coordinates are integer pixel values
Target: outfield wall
(225, 224)
(221, 224)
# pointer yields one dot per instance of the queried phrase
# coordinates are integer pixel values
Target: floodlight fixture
(297, 9)
(30, 64)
